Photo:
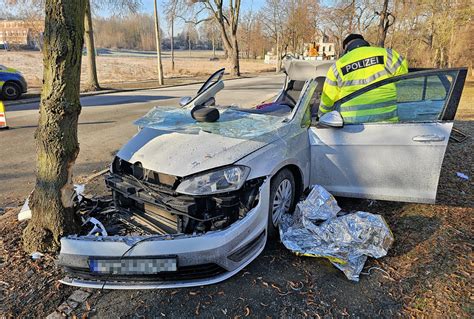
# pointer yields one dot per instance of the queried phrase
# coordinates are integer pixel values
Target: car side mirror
(331, 119)
(185, 100)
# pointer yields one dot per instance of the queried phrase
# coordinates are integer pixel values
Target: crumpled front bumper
(202, 259)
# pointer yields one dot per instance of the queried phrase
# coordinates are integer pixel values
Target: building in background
(21, 34)
(321, 49)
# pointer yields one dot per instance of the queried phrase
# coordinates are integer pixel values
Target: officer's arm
(330, 92)
(400, 64)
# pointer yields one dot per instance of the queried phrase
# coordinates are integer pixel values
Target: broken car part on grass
(318, 228)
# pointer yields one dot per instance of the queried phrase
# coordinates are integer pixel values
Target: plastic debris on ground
(25, 211)
(98, 228)
(318, 229)
(36, 255)
(462, 175)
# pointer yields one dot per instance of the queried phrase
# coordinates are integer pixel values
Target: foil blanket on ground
(232, 123)
(316, 230)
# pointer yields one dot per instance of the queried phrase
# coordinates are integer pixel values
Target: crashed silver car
(198, 194)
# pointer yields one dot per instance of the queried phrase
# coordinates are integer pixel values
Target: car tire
(11, 91)
(282, 199)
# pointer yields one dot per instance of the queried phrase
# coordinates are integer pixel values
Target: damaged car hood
(171, 142)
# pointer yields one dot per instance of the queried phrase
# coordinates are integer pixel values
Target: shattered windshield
(232, 123)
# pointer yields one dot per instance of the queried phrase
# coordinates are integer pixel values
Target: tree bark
(213, 46)
(278, 54)
(189, 45)
(235, 61)
(382, 29)
(172, 43)
(158, 46)
(228, 29)
(57, 146)
(92, 80)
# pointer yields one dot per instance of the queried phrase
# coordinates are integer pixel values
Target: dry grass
(113, 69)
(465, 110)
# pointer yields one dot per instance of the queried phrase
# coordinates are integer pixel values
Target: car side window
(416, 99)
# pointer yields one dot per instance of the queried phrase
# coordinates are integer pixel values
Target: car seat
(292, 93)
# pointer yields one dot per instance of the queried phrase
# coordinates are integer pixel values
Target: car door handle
(429, 138)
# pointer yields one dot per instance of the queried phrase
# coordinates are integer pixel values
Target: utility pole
(158, 45)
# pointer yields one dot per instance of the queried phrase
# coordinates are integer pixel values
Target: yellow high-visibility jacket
(357, 69)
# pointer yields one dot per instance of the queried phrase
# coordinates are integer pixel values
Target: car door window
(404, 99)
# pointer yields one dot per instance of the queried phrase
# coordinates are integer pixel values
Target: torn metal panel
(345, 240)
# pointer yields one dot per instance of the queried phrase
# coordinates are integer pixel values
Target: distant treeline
(136, 31)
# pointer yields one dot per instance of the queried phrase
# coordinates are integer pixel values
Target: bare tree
(211, 32)
(92, 79)
(386, 21)
(119, 6)
(57, 145)
(273, 19)
(158, 44)
(227, 18)
(173, 9)
(336, 21)
(191, 34)
(135, 31)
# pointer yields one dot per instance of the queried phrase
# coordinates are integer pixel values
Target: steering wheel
(216, 77)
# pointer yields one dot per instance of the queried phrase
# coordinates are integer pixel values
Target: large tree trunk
(229, 36)
(158, 46)
(57, 146)
(92, 80)
(235, 61)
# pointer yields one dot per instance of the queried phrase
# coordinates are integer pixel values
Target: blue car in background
(12, 83)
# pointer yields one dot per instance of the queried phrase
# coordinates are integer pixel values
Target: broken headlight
(219, 181)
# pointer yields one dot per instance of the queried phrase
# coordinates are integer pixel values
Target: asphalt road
(105, 124)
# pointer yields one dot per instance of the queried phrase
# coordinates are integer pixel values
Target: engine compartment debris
(98, 228)
(147, 203)
(318, 228)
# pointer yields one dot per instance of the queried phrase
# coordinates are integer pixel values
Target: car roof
(303, 70)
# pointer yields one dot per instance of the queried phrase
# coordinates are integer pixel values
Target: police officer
(360, 66)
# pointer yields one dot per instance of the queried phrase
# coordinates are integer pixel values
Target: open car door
(391, 161)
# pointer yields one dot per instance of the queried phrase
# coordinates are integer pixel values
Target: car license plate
(132, 266)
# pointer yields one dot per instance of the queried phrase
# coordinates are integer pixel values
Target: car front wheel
(282, 199)
(11, 91)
